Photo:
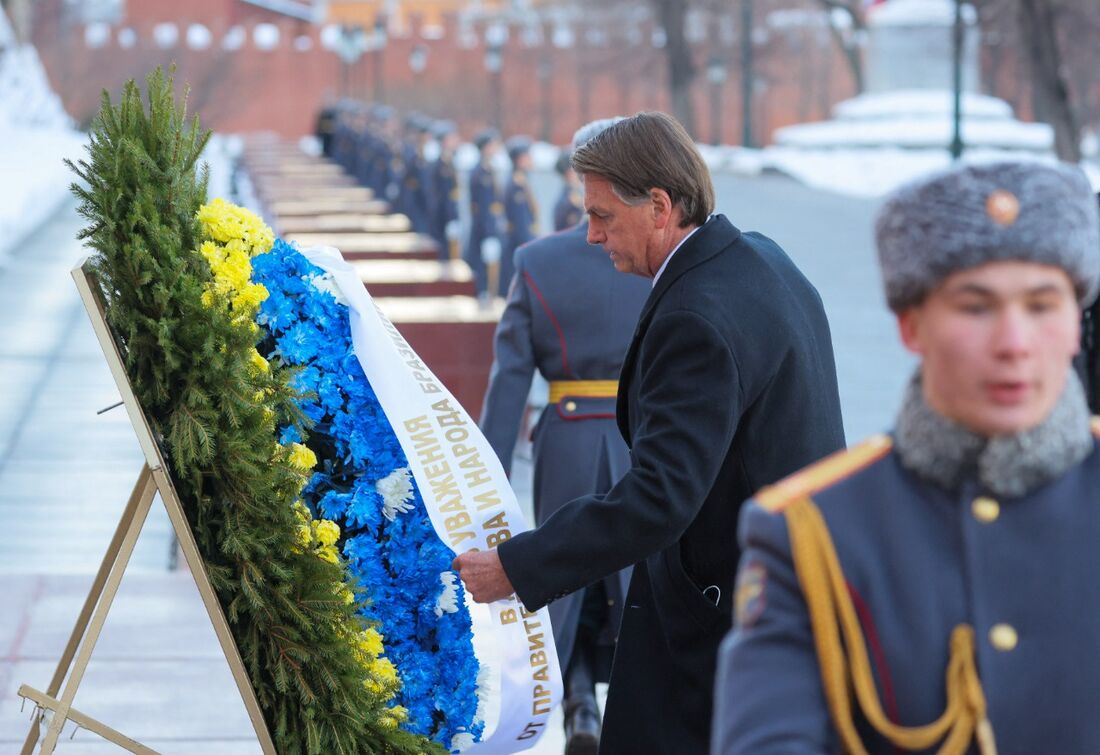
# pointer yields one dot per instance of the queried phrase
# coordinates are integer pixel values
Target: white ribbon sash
(471, 505)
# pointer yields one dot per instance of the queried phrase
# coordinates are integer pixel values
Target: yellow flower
(301, 457)
(370, 642)
(391, 717)
(260, 365)
(225, 222)
(327, 532)
(249, 298)
(305, 537)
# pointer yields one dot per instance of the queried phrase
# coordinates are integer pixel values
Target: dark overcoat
(729, 385)
(570, 316)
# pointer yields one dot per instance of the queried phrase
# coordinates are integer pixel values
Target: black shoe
(582, 728)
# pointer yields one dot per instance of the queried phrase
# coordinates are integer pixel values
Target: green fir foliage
(189, 366)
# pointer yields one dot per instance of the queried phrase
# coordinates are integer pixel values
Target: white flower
(396, 491)
(461, 741)
(448, 599)
(325, 282)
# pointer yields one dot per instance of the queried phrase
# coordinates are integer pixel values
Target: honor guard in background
(486, 215)
(385, 166)
(935, 588)
(569, 208)
(345, 140)
(414, 200)
(444, 225)
(520, 212)
(325, 128)
(569, 316)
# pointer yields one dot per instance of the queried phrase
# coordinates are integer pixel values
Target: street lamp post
(957, 55)
(495, 37)
(546, 79)
(716, 75)
(418, 61)
(379, 47)
(747, 74)
(349, 43)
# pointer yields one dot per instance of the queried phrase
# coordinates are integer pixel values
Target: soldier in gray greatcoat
(570, 315)
(934, 586)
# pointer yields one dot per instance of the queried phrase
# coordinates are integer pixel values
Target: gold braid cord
(845, 665)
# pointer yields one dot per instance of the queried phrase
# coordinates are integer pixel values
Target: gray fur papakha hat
(969, 216)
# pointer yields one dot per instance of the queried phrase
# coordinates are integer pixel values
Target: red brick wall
(251, 90)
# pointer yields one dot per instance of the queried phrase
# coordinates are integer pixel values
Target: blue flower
(400, 563)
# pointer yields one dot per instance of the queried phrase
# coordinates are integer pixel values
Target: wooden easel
(153, 478)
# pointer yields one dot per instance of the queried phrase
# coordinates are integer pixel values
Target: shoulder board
(830, 470)
(1095, 425)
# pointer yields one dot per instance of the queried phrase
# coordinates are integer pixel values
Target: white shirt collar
(674, 250)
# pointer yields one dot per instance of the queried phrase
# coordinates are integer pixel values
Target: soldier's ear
(910, 330)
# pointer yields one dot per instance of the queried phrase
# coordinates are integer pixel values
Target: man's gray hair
(593, 129)
(650, 151)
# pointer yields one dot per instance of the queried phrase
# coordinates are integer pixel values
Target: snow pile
(917, 13)
(35, 134)
(918, 119)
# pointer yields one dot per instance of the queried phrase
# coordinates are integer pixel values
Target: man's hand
(483, 575)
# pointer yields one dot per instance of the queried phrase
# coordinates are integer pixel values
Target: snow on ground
(35, 134)
(33, 180)
(872, 172)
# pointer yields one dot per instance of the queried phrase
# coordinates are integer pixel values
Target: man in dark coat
(728, 385)
(570, 315)
(963, 546)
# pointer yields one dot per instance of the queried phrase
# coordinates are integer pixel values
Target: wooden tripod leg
(96, 606)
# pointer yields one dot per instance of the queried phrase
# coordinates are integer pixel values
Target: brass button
(570, 406)
(985, 509)
(1003, 637)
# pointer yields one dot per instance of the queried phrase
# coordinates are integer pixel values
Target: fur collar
(946, 453)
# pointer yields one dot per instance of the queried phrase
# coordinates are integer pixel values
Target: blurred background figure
(570, 207)
(415, 200)
(520, 211)
(570, 316)
(483, 248)
(444, 226)
(326, 128)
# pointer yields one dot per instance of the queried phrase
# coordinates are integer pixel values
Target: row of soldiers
(410, 163)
